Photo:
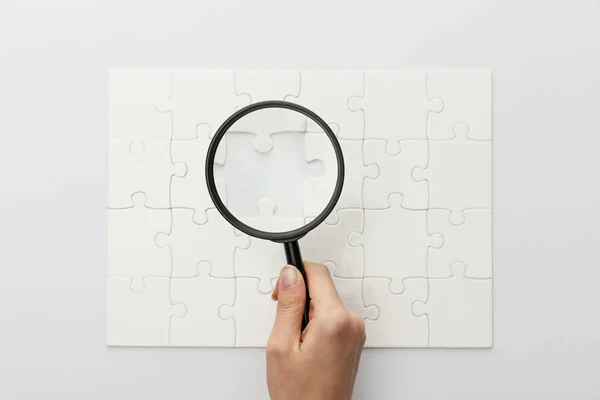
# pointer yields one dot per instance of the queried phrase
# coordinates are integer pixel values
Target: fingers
(320, 285)
(290, 295)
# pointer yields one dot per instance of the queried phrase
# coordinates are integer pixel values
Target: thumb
(290, 309)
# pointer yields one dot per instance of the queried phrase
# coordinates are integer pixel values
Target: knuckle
(359, 328)
(340, 322)
(276, 351)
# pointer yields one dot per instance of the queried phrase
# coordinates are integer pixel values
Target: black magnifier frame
(288, 238)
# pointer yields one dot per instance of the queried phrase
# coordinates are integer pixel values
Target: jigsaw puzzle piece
(190, 243)
(267, 221)
(396, 325)
(327, 93)
(395, 106)
(267, 122)
(149, 172)
(132, 106)
(328, 243)
(467, 98)
(395, 242)
(469, 243)
(459, 174)
(263, 259)
(190, 191)
(139, 319)
(395, 174)
(318, 190)
(131, 251)
(459, 310)
(267, 85)
(253, 313)
(202, 296)
(351, 294)
(201, 98)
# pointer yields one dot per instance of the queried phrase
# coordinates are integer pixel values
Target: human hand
(322, 361)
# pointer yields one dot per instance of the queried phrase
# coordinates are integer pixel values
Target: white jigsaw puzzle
(190, 191)
(202, 295)
(395, 105)
(459, 310)
(327, 93)
(149, 172)
(349, 261)
(459, 173)
(200, 101)
(267, 85)
(262, 259)
(467, 98)
(395, 174)
(469, 243)
(131, 251)
(191, 243)
(409, 243)
(395, 242)
(253, 313)
(139, 319)
(350, 291)
(132, 106)
(396, 325)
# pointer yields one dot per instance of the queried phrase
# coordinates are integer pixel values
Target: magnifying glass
(275, 171)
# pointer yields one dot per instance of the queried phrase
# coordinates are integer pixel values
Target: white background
(545, 56)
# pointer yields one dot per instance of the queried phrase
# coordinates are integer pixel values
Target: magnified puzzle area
(409, 244)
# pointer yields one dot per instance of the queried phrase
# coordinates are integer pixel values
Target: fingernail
(288, 277)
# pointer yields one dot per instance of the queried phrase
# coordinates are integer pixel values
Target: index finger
(321, 289)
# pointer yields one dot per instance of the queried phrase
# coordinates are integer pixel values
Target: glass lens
(271, 173)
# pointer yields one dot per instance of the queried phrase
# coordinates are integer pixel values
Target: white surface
(544, 59)
(267, 221)
(280, 174)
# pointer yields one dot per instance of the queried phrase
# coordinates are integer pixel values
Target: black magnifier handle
(293, 256)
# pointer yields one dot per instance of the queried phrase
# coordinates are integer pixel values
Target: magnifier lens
(272, 173)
